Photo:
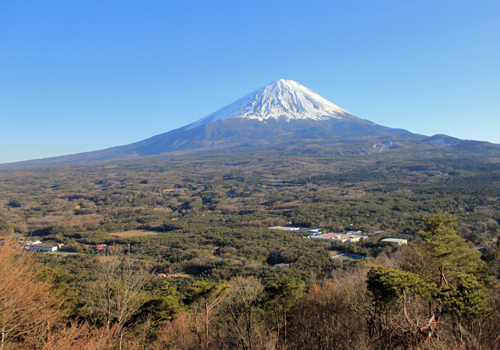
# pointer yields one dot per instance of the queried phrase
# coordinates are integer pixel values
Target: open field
(134, 233)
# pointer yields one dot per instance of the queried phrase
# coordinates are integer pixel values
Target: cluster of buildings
(347, 237)
(315, 233)
(354, 236)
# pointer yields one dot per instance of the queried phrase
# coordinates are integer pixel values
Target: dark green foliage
(280, 296)
(455, 286)
(450, 253)
(196, 203)
(388, 285)
(166, 305)
(465, 297)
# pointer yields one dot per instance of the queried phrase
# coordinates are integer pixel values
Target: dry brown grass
(134, 233)
(180, 275)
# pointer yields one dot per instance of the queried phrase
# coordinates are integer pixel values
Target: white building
(398, 241)
(44, 247)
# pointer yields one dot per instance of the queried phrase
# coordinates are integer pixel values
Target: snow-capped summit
(282, 99)
(283, 115)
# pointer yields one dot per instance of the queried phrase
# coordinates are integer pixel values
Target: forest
(202, 275)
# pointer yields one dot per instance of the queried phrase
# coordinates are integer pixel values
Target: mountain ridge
(282, 112)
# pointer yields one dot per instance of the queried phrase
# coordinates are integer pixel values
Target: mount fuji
(281, 114)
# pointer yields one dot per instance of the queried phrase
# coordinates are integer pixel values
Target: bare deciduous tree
(119, 292)
(241, 314)
(206, 298)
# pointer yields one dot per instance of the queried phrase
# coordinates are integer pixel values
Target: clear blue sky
(78, 76)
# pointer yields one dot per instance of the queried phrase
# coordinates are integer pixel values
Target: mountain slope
(281, 113)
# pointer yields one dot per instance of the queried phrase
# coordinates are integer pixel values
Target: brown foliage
(31, 315)
(176, 334)
(75, 337)
(333, 315)
(241, 325)
(27, 305)
(417, 259)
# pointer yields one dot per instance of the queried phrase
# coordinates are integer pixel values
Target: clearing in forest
(134, 233)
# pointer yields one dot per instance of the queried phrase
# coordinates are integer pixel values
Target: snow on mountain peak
(281, 99)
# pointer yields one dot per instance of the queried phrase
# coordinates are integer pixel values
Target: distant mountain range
(281, 113)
